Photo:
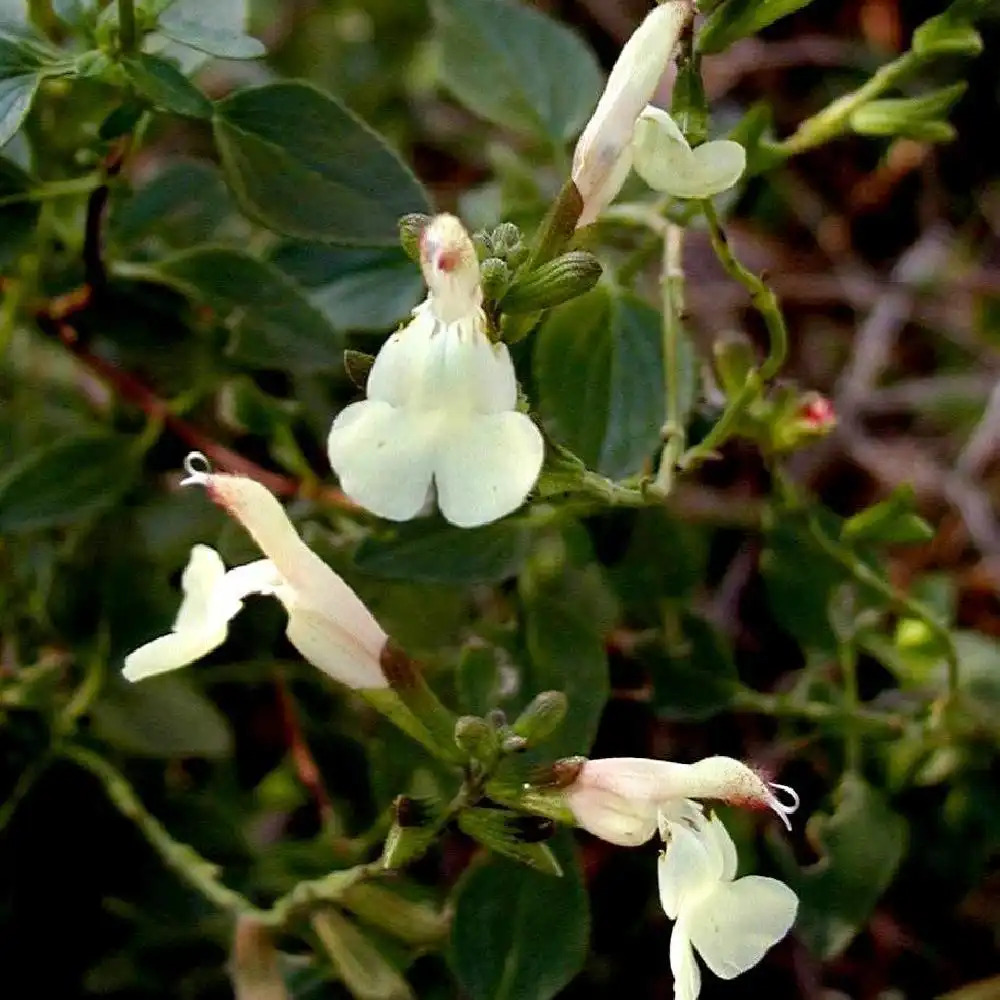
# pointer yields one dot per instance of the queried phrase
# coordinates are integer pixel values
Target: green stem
(848, 560)
(847, 657)
(878, 723)
(557, 227)
(764, 300)
(24, 785)
(181, 859)
(127, 34)
(672, 287)
(725, 426)
(53, 189)
(834, 119)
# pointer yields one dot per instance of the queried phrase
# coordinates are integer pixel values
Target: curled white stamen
(784, 809)
(198, 469)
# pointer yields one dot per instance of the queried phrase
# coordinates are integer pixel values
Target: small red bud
(817, 412)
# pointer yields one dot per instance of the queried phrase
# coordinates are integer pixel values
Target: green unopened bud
(508, 244)
(920, 118)
(483, 242)
(476, 737)
(494, 277)
(798, 419)
(358, 366)
(542, 717)
(559, 280)
(734, 361)
(513, 835)
(411, 229)
(946, 34)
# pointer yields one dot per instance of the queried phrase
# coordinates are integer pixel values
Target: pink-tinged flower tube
(327, 621)
(619, 799)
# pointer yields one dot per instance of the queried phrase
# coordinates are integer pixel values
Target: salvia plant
(247, 354)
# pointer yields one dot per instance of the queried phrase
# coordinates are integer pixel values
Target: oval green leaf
(519, 934)
(273, 325)
(302, 164)
(65, 482)
(599, 368)
(516, 67)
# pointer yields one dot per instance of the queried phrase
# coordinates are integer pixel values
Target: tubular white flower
(664, 160)
(603, 155)
(441, 415)
(619, 799)
(730, 922)
(327, 622)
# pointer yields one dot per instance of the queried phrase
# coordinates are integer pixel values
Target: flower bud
(411, 229)
(476, 737)
(734, 361)
(542, 717)
(602, 158)
(557, 281)
(495, 277)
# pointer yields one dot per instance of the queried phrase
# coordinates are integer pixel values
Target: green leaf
(567, 611)
(214, 39)
(947, 34)
(516, 67)
(358, 289)
(166, 87)
(162, 717)
(16, 95)
(303, 165)
(438, 552)
(914, 117)
(891, 522)
(17, 221)
(599, 369)
(737, 19)
(518, 934)
(65, 482)
(20, 54)
(365, 971)
(272, 323)
(862, 844)
(185, 203)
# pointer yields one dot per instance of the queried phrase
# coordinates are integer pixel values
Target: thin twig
(126, 386)
(302, 758)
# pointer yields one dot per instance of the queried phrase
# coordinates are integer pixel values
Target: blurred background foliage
(715, 623)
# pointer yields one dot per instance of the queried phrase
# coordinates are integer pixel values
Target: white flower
(619, 799)
(665, 161)
(626, 131)
(327, 622)
(603, 154)
(730, 922)
(441, 415)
